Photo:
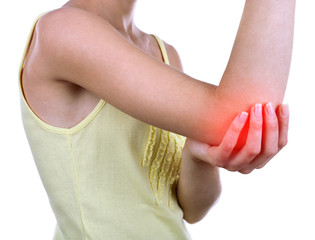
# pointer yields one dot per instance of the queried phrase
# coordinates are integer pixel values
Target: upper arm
(83, 49)
(100, 60)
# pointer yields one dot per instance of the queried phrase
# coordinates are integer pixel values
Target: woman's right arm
(82, 48)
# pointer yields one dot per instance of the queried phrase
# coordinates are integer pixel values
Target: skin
(64, 76)
(199, 184)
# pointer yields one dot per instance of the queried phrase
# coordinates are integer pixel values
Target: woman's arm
(82, 48)
(259, 64)
(199, 183)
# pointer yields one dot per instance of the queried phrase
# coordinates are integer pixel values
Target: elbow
(193, 220)
(231, 100)
(241, 94)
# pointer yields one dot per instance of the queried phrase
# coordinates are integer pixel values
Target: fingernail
(243, 117)
(257, 111)
(270, 110)
(284, 110)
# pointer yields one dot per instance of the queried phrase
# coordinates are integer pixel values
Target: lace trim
(149, 148)
(163, 157)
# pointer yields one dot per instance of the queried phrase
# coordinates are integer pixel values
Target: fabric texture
(109, 177)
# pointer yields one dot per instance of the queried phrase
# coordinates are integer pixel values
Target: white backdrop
(277, 202)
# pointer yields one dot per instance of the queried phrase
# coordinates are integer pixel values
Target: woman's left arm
(199, 184)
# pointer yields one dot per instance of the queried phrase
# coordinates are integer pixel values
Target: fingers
(270, 140)
(275, 135)
(253, 143)
(271, 132)
(217, 155)
(283, 117)
(229, 141)
(267, 134)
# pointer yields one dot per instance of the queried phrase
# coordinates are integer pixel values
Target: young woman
(105, 107)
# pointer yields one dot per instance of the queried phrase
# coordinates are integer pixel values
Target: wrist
(195, 154)
(201, 163)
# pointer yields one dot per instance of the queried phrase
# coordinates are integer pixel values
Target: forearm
(258, 69)
(260, 60)
(198, 188)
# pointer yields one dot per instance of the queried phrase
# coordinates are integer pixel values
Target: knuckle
(262, 164)
(237, 166)
(283, 143)
(228, 147)
(220, 163)
(284, 117)
(273, 125)
(257, 125)
(231, 167)
(271, 151)
(260, 167)
(284, 124)
(246, 171)
(284, 121)
(236, 128)
(253, 151)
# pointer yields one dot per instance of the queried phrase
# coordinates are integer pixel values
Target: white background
(277, 202)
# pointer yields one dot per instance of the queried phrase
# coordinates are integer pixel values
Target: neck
(119, 13)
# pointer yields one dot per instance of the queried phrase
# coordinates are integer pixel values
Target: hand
(267, 135)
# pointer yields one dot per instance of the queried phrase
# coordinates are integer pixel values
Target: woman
(97, 93)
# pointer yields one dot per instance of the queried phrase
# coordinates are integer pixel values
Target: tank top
(109, 177)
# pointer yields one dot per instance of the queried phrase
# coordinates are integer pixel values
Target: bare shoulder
(70, 25)
(64, 16)
(40, 85)
(62, 32)
(61, 23)
(56, 20)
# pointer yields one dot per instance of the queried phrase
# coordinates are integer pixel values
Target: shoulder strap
(163, 49)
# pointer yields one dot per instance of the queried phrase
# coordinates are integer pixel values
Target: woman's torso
(107, 175)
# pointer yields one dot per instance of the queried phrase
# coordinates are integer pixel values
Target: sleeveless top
(109, 177)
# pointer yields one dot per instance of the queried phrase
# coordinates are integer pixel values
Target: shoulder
(65, 38)
(64, 16)
(57, 21)
(69, 25)
(57, 26)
